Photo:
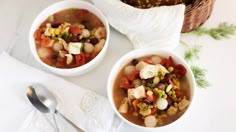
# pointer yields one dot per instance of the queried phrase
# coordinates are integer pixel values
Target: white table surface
(214, 108)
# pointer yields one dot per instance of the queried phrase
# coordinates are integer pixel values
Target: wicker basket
(196, 12)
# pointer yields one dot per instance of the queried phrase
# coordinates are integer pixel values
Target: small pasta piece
(69, 59)
(100, 33)
(99, 45)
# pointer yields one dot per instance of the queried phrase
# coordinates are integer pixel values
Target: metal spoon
(45, 102)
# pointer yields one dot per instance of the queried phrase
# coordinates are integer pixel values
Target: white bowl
(58, 7)
(145, 52)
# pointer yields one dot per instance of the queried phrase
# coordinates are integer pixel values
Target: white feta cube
(148, 71)
(137, 93)
(75, 48)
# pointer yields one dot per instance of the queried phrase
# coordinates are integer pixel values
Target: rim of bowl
(145, 52)
(43, 15)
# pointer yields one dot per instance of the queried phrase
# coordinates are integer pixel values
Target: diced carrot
(45, 41)
(37, 34)
(74, 30)
(148, 61)
(133, 75)
(135, 104)
(124, 83)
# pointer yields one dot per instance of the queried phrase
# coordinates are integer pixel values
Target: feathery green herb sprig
(224, 30)
(199, 74)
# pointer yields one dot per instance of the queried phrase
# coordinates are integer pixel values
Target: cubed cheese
(137, 93)
(148, 71)
(74, 48)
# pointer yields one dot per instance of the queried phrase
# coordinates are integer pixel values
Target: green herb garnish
(199, 74)
(192, 53)
(224, 30)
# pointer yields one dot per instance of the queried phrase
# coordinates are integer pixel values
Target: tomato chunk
(74, 30)
(133, 75)
(124, 83)
(179, 70)
(45, 41)
(80, 59)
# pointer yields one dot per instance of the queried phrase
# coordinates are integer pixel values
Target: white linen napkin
(89, 111)
(155, 27)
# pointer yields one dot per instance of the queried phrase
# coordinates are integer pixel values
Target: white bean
(128, 70)
(156, 59)
(57, 46)
(150, 121)
(85, 33)
(162, 104)
(88, 48)
(44, 52)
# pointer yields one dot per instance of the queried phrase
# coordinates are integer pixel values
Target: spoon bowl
(42, 99)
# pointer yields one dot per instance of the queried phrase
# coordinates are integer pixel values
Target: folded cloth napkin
(155, 27)
(89, 111)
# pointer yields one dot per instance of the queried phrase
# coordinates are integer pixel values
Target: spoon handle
(79, 129)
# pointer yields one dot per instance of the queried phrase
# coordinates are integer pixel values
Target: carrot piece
(148, 61)
(135, 104)
(45, 41)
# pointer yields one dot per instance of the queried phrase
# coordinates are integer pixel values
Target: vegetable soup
(70, 38)
(152, 91)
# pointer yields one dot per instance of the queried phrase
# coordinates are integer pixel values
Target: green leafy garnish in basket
(199, 74)
(224, 30)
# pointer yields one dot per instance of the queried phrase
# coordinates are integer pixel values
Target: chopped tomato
(94, 54)
(153, 111)
(80, 59)
(148, 61)
(167, 62)
(45, 41)
(133, 75)
(169, 100)
(61, 62)
(74, 30)
(37, 34)
(124, 83)
(131, 109)
(152, 98)
(179, 70)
